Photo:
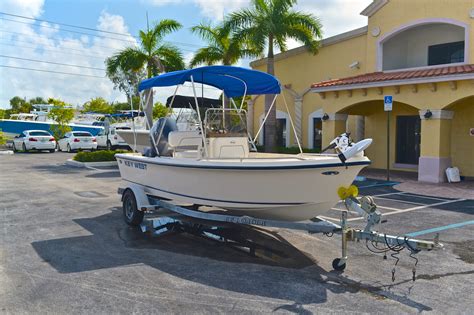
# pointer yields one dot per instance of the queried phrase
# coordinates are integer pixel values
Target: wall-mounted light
(428, 114)
(325, 117)
(355, 65)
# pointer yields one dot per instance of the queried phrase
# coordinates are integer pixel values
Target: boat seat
(185, 140)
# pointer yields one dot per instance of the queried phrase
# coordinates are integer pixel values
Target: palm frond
(170, 57)
(241, 19)
(308, 21)
(207, 55)
(128, 59)
(303, 35)
(281, 43)
(165, 27)
(206, 32)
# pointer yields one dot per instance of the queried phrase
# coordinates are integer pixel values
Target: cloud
(47, 42)
(216, 9)
(337, 16)
(30, 8)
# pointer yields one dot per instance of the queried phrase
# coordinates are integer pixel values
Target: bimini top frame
(233, 81)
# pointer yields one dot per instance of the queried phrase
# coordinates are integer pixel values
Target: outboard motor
(164, 125)
(345, 148)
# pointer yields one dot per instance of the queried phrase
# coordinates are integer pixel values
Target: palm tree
(267, 24)
(222, 47)
(152, 54)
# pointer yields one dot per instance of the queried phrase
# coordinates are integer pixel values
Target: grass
(97, 156)
(289, 150)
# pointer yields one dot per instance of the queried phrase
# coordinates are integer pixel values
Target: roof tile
(396, 75)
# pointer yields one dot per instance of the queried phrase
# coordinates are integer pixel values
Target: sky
(45, 41)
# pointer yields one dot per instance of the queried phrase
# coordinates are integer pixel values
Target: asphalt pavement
(64, 248)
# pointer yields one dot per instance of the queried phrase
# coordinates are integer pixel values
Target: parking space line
(426, 206)
(329, 218)
(440, 228)
(389, 194)
(341, 210)
(426, 197)
(389, 208)
(402, 201)
(418, 208)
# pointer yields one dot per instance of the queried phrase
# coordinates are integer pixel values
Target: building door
(408, 139)
(281, 132)
(317, 133)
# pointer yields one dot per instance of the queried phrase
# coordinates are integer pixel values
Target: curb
(7, 152)
(73, 163)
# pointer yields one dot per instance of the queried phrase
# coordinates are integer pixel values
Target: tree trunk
(149, 98)
(149, 107)
(270, 124)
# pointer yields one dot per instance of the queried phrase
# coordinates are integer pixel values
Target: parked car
(34, 140)
(112, 140)
(77, 140)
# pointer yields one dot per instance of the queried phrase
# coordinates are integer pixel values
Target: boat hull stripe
(251, 167)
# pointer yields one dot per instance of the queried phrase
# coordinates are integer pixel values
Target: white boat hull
(288, 188)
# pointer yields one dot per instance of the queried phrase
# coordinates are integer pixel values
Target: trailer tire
(131, 214)
(336, 264)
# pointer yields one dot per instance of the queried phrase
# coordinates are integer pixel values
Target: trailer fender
(140, 195)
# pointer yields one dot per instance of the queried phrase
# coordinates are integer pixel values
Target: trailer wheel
(131, 214)
(337, 266)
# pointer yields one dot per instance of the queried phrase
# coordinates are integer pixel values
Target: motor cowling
(162, 126)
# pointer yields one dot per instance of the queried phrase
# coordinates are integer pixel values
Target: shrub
(3, 139)
(97, 156)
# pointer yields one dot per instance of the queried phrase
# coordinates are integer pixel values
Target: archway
(445, 40)
(461, 140)
(405, 132)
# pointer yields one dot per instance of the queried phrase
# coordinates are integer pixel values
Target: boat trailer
(160, 216)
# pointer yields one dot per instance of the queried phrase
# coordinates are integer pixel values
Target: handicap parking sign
(387, 103)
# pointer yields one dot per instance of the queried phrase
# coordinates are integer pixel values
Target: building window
(446, 53)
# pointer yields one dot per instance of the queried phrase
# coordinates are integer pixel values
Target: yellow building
(419, 52)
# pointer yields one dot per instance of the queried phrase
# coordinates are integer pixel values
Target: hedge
(97, 156)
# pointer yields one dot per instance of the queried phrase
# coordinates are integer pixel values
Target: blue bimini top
(234, 81)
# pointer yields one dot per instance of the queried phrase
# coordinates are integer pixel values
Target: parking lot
(65, 249)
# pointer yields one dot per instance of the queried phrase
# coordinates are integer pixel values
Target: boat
(38, 119)
(216, 166)
(185, 116)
